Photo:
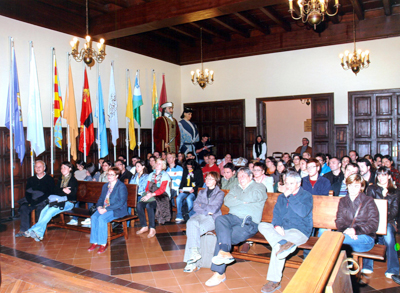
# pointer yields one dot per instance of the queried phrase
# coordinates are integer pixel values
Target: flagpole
(52, 114)
(139, 142)
(152, 120)
(126, 119)
(67, 95)
(98, 114)
(30, 73)
(11, 131)
(115, 147)
(84, 128)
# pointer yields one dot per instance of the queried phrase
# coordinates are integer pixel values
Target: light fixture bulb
(87, 38)
(346, 53)
(101, 41)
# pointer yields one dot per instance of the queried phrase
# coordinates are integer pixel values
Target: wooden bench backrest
(324, 211)
(89, 191)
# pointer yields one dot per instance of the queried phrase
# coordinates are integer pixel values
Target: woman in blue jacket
(111, 205)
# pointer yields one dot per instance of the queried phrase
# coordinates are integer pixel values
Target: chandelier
(357, 60)
(88, 54)
(203, 77)
(313, 11)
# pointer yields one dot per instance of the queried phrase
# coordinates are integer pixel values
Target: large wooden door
(374, 120)
(224, 121)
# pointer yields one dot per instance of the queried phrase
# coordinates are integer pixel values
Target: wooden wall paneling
(22, 172)
(250, 137)
(341, 147)
(322, 116)
(224, 121)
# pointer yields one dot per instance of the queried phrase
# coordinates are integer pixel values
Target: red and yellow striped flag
(58, 107)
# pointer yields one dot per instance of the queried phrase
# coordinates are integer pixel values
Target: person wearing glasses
(260, 177)
(314, 183)
(207, 208)
(112, 204)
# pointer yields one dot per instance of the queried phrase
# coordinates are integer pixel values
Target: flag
(137, 100)
(35, 123)
(16, 113)
(86, 119)
(70, 114)
(154, 100)
(163, 94)
(113, 109)
(58, 108)
(99, 113)
(129, 116)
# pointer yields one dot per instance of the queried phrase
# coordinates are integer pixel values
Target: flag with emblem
(154, 100)
(137, 100)
(86, 119)
(129, 116)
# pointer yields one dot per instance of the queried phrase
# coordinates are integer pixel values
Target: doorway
(322, 119)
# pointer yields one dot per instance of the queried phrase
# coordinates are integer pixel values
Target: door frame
(262, 114)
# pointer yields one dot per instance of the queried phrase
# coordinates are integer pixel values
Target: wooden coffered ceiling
(170, 29)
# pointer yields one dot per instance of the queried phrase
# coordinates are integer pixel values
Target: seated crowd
(169, 179)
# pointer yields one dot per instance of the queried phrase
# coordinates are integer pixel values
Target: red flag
(163, 94)
(86, 119)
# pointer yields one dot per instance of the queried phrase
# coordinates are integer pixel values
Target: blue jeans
(231, 230)
(189, 200)
(151, 213)
(46, 215)
(90, 204)
(99, 230)
(389, 240)
(362, 244)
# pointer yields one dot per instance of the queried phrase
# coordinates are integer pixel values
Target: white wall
(300, 72)
(43, 39)
(285, 125)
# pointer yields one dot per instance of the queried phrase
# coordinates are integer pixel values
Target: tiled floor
(151, 265)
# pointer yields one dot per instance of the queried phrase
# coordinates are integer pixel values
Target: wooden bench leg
(109, 233)
(125, 227)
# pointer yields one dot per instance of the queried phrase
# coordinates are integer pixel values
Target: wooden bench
(89, 192)
(316, 269)
(324, 216)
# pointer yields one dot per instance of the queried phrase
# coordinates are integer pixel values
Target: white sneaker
(389, 275)
(194, 256)
(190, 267)
(86, 222)
(179, 220)
(367, 271)
(73, 222)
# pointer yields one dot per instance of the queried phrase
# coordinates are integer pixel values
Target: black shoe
(396, 278)
(22, 234)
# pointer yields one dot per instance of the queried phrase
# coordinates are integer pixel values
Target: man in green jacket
(229, 180)
(246, 203)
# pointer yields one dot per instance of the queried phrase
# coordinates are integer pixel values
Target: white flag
(35, 122)
(113, 109)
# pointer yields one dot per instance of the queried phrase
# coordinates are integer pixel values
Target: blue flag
(14, 119)
(99, 113)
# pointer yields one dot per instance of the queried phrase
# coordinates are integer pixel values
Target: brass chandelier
(312, 11)
(88, 54)
(203, 77)
(358, 59)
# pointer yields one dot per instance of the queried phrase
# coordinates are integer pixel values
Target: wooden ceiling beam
(184, 40)
(358, 8)
(231, 27)
(387, 7)
(221, 35)
(254, 23)
(275, 17)
(191, 35)
(166, 13)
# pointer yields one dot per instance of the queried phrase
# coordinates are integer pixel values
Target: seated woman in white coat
(207, 208)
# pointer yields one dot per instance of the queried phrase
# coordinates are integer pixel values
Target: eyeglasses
(257, 170)
(311, 167)
(111, 174)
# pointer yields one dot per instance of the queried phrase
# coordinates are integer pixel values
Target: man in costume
(166, 130)
(189, 132)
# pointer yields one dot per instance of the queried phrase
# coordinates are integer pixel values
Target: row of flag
(67, 110)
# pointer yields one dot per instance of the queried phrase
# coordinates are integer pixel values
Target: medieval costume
(166, 130)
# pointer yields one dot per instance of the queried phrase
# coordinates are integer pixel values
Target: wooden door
(322, 112)
(374, 120)
(224, 121)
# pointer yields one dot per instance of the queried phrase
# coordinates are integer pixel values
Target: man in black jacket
(38, 189)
